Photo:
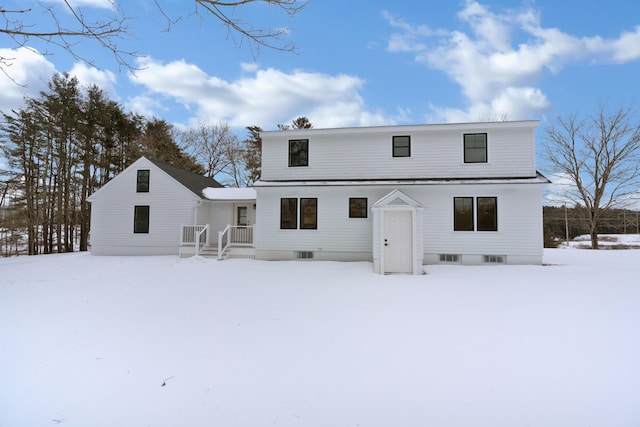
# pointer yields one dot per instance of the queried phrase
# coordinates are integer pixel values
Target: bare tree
(106, 31)
(213, 146)
(600, 158)
(109, 28)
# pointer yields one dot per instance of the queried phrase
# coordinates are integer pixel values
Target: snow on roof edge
(212, 193)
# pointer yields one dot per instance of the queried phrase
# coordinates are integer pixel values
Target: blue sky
(358, 63)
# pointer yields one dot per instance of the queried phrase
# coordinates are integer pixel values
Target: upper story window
(401, 146)
(357, 207)
(475, 148)
(298, 152)
(142, 183)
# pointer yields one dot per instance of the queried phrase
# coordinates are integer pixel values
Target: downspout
(195, 211)
(196, 235)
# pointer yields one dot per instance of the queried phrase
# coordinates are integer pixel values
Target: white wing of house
(153, 208)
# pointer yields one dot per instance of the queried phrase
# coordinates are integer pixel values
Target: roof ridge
(190, 180)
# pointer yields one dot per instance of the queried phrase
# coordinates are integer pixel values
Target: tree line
(567, 222)
(71, 140)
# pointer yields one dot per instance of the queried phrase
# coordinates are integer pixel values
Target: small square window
(289, 214)
(357, 207)
(475, 148)
(308, 214)
(298, 152)
(401, 146)
(141, 219)
(142, 182)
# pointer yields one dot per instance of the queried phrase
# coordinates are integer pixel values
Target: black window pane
(309, 214)
(475, 148)
(299, 152)
(401, 146)
(142, 185)
(141, 219)
(288, 213)
(357, 207)
(487, 214)
(463, 213)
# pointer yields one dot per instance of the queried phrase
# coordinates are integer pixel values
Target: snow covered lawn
(159, 341)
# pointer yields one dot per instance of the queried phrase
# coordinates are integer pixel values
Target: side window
(401, 146)
(475, 148)
(357, 207)
(463, 213)
(142, 183)
(288, 213)
(298, 152)
(487, 213)
(308, 214)
(141, 219)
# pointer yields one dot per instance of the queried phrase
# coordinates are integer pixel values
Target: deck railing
(202, 239)
(192, 233)
(234, 235)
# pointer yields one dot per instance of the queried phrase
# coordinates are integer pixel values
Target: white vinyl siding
(436, 152)
(112, 214)
(519, 234)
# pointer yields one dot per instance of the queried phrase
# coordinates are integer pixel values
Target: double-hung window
(487, 213)
(401, 146)
(308, 214)
(298, 152)
(475, 148)
(141, 219)
(463, 213)
(142, 181)
(483, 218)
(288, 213)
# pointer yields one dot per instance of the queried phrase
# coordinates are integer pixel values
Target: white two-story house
(402, 196)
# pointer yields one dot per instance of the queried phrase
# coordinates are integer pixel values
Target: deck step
(230, 253)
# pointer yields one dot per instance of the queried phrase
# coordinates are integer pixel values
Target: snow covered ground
(159, 341)
(607, 241)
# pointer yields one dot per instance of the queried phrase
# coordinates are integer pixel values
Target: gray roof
(194, 182)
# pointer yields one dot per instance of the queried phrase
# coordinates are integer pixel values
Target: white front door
(398, 241)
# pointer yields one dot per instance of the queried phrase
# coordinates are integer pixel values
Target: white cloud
(265, 98)
(495, 71)
(409, 40)
(249, 67)
(561, 191)
(87, 75)
(24, 73)
(145, 105)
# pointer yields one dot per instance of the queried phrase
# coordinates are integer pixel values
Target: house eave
(538, 179)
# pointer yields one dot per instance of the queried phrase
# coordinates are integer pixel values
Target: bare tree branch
(109, 31)
(600, 157)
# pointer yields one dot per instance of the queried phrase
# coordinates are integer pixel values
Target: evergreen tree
(253, 153)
